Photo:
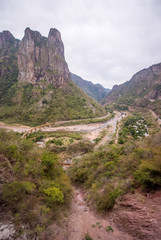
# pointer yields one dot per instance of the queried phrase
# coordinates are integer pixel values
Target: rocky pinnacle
(41, 60)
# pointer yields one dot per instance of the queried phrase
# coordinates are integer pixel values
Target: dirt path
(117, 133)
(156, 117)
(14, 127)
(82, 221)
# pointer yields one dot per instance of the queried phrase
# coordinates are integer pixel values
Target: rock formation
(35, 83)
(7, 40)
(144, 85)
(8, 61)
(42, 59)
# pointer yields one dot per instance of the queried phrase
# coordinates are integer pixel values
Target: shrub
(48, 160)
(13, 192)
(13, 152)
(107, 199)
(148, 175)
(29, 187)
(55, 194)
(87, 237)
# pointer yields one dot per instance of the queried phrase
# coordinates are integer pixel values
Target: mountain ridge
(142, 90)
(35, 81)
(96, 91)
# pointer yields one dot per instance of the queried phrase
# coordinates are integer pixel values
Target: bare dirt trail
(15, 127)
(156, 117)
(83, 221)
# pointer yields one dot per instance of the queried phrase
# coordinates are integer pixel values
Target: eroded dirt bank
(83, 221)
(135, 217)
(139, 215)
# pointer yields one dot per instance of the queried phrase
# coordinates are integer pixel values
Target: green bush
(13, 192)
(13, 152)
(55, 194)
(57, 142)
(48, 160)
(107, 199)
(148, 175)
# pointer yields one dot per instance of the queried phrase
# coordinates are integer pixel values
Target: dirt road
(84, 128)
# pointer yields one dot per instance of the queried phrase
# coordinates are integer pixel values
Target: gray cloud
(106, 41)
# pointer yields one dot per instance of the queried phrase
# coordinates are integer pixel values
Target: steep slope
(144, 90)
(38, 87)
(8, 62)
(96, 91)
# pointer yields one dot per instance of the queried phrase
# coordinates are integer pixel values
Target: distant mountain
(143, 90)
(35, 82)
(96, 91)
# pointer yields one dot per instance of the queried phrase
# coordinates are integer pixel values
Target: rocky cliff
(8, 61)
(35, 83)
(7, 41)
(42, 59)
(143, 89)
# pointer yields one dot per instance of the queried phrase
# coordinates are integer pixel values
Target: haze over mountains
(96, 91)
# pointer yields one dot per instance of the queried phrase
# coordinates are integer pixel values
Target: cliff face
(42, 59)
(35, 83)
(8, 61)
(143, 89)
(7, 40)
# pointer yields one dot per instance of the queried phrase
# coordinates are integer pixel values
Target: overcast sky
(106, 41)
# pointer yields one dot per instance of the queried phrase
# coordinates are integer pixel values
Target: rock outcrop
(35, 83)
(7, 40)
(143, 90)
(42, 59)
(8, 61)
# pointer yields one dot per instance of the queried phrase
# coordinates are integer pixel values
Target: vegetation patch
(87, 121)
(114, 170)
(28, 104)
(134, 126)
(33, 185)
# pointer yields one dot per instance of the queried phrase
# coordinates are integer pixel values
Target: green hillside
(33, 105)
(36, 88)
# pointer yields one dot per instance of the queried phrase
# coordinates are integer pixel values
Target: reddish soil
(134, 217)
(81, 221)
(139, 215)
